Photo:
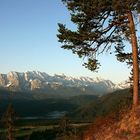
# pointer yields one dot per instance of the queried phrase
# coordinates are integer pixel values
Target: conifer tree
(65, 129)
(8, 119)
(101, 25)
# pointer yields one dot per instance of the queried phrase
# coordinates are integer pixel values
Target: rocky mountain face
(35, 80)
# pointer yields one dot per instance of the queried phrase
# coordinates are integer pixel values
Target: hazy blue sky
(28, 41)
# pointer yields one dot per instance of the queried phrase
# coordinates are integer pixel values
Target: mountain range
(41, 81)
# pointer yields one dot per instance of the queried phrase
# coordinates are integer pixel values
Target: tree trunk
(135, 60)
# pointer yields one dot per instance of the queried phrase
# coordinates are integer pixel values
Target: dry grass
(125, 126)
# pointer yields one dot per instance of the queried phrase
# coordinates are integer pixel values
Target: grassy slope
(127, 127)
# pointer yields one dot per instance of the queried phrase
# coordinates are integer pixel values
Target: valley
(38, 115)
(40, 106)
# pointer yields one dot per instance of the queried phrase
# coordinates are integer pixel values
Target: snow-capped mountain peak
(32, 80)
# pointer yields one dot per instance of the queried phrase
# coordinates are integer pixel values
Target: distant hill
(80, 107)
(110, 103)
(34, 105)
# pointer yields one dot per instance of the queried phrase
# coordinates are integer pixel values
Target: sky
(28, 42)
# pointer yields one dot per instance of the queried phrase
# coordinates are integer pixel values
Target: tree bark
(135, 60)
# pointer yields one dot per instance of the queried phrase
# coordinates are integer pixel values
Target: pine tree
(65, 129)
(101, 25)
(8, 119)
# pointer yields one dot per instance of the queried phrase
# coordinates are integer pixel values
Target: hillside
(36, 104)
(127, 127)
(110, 103)
(80, 107)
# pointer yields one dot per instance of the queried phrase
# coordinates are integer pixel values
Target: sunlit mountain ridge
(35, 80)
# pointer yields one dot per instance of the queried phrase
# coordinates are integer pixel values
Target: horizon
(28, 42)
